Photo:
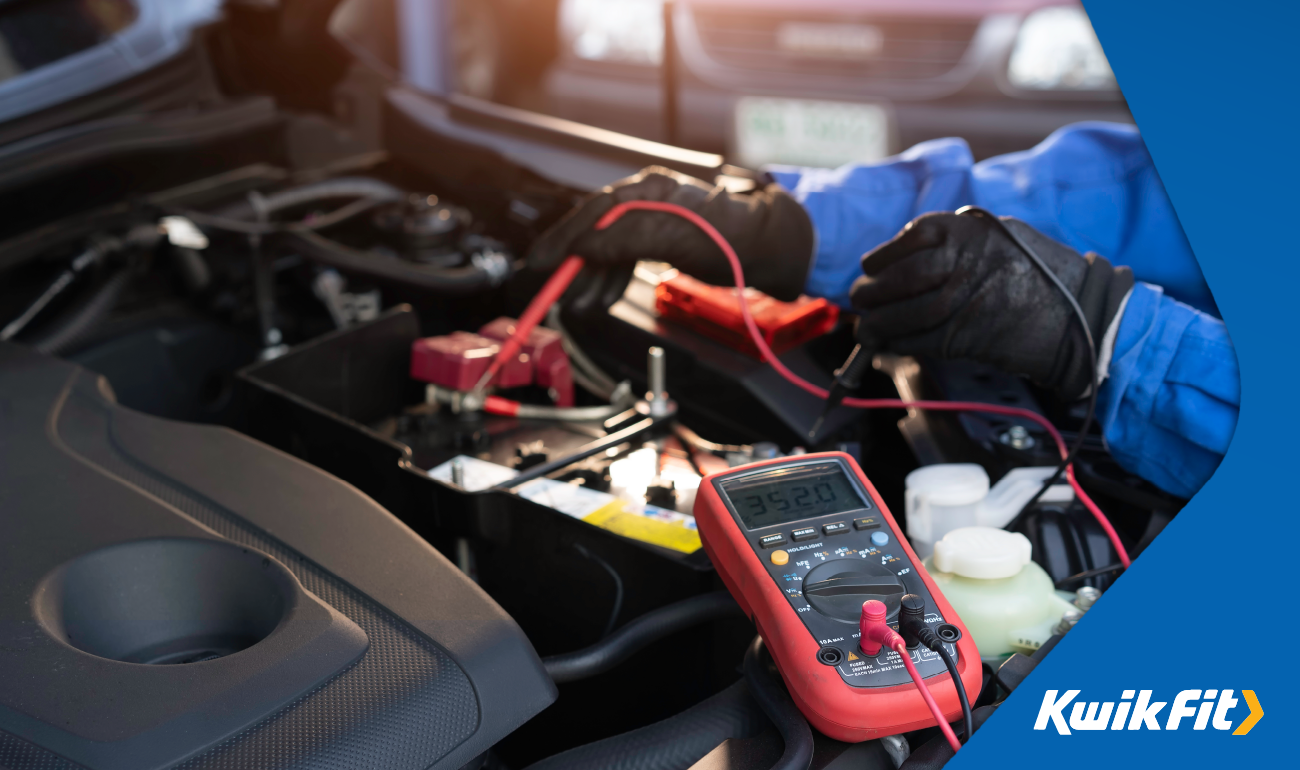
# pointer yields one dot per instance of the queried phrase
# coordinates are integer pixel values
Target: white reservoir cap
(982, 552)
(950, 484)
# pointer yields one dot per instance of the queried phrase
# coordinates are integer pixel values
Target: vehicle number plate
(809, 133)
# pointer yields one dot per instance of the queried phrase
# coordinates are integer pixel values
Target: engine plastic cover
(178, 595)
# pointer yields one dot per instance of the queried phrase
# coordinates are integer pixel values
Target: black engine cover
(181, 595)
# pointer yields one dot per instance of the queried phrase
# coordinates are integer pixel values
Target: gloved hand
(769, 230)
(955, 286)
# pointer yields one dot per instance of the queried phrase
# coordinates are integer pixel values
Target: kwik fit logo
(1200, 709)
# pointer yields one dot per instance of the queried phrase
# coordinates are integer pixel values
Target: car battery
(714, 311)
(340, 402)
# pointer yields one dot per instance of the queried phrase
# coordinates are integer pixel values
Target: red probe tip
(532, 315)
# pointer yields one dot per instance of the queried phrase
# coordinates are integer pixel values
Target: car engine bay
(243, 333)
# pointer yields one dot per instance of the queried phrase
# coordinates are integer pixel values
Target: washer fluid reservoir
(944, 497)
(1006, 601)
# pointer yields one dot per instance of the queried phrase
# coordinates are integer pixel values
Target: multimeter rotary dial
(837, 588)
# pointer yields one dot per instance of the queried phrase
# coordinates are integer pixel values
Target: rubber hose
(461, 280)
(343, 187)
(455, 280)
(778, 706)
(676, 743)
(74, 325)
(638, 634)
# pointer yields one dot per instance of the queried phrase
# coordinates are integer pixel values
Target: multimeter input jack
(830, 656)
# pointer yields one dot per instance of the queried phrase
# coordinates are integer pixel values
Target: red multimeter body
(801, 542)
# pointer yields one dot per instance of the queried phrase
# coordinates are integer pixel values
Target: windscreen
(791, 494)
(34, 33)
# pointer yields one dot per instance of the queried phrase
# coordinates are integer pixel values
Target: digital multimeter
(801, 542)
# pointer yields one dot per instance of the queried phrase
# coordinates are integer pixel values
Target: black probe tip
(847, 378)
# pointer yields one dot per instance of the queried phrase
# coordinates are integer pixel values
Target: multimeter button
(780, 558)
(767, 541)
(807, 533)
(835, 528)
(879, 538)
(868, 522)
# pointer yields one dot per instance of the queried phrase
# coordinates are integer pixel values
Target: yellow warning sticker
(852, 656)
(614, 518)
(647, 523)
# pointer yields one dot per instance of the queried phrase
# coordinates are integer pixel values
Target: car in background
(824, 82)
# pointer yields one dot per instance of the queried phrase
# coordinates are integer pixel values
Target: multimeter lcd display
(791, 494)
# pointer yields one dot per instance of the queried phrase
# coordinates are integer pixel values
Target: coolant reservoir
(1007, 602)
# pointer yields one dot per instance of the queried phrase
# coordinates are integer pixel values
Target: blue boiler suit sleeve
(1170, 401)
(1169, 405)
(1091, 186)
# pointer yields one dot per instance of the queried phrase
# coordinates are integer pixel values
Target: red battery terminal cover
(714, 311)
(459, 359)
(545, 351)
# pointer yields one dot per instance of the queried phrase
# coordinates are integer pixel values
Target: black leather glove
(770, 231)
(955, 286)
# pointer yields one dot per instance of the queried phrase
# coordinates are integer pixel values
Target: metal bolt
(458, 472)
(1068, 620)
(658, 395)
(1017, 437)
(1086, 597)
(465, 559)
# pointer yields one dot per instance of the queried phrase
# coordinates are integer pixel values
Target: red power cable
(861, 403)
(501, 406)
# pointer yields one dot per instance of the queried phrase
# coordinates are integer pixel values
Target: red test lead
(863, 403)
(876, 634)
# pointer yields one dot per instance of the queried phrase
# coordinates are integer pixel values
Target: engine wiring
(586, 372)
(369, 194)
(868, 403)
(620, 401)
